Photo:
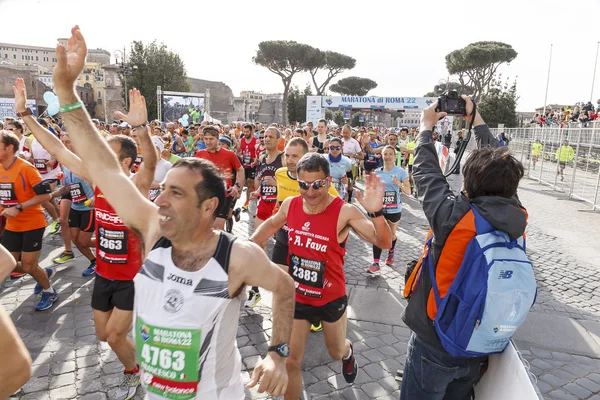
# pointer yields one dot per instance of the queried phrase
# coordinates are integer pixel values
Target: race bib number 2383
(168, 360)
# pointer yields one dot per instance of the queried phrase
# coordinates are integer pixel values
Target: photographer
(430, 371)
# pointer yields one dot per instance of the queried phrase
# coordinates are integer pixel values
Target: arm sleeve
(32, 176)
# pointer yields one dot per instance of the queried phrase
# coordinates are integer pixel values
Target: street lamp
(125, 69)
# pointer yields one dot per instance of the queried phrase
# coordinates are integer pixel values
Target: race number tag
(8, 198)
(390, 199)
(40, 164)
(168, 360)
(112, 245)
(247, 158)
(269, 193)
(153, 194)
(308, 275)
(77, 193)
(138, 160)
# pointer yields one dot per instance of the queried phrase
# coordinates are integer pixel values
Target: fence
(572, 169)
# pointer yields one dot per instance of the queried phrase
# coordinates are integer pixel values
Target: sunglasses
(335, 147)
(261, 137)
(318, 184)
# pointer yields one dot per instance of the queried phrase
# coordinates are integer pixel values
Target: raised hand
(429, 117)
(69, 63)
(138, 113)
(20, 95)
(372, 199)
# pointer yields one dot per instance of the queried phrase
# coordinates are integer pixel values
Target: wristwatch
(237, 185)
(375, 214)
(25, 113)
(282, 349)
(19, 207)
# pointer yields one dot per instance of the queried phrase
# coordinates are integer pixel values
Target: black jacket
(443, 211)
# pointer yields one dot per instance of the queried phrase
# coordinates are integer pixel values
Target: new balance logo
(179, 279)
(505, 275)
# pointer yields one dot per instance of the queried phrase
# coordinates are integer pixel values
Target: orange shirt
(16, 186)
(281, 144)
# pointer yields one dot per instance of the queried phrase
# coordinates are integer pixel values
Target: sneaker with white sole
(51, 272)
(253, 299)
(127, 388)
(374, 269)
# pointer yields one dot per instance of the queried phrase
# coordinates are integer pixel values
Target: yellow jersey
(536, 149)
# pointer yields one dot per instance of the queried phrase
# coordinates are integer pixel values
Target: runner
(317, 143)
(186, 292)
(49, 169)
(227, 143)
(353, 151)
(340, 166)
(396, 182)
(372, 158)
(536, 151)
(319, 224)
(266, 192)
(24, 141)
(564, 154)
(227, 162)
(22, 191)
(162, 167)
(118, 249)
(247, 152)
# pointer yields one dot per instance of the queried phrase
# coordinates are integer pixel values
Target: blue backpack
(489, 297)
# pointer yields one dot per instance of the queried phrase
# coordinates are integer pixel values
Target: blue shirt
(371, 158)
(338, 170)
(80, 190)
(392, 203)
(201, 145)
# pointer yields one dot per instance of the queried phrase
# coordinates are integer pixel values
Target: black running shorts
(330, 312)
(109, 294)
(27, 242)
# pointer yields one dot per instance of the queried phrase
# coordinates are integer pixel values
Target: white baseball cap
(158, 143)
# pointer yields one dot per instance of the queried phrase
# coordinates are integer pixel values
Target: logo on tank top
(306, 226)
(173, 301)
(179, 279)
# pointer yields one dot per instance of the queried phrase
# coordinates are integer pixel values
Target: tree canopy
(285, 59)
(353, 86)
(499, 104)
(156, 66)
(334, 63)
(440, 89)
(477, 63)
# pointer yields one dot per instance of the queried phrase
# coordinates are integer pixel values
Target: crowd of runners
(151, 205)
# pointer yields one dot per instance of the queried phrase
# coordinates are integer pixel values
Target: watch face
(284, 350)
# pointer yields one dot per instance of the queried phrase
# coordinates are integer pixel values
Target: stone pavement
(560, 340)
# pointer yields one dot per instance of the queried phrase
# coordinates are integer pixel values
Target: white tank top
(185, 327)
(39, 156)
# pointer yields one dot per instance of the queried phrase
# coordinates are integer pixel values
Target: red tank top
(315, 257)
(118, 249)
(248, 151)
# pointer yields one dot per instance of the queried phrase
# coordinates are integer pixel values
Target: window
(99, 94)
(37, 58)
(99, 102)
(87, 77)
(14, 56)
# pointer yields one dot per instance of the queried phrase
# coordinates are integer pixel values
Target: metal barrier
(572, 168)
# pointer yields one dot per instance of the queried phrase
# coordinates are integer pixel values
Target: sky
(400, 44)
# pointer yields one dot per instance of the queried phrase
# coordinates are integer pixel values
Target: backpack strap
(411, 283)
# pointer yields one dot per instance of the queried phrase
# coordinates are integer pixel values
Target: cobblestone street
(560, 340)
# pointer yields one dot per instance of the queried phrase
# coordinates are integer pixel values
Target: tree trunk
(286, 93)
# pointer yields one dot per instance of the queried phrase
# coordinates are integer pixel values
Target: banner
(314, 110)
(374, 102)
(7, 107)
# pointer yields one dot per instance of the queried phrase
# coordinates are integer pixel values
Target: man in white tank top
(187, 296)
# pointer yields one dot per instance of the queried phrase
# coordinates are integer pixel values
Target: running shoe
(316, 328)
(245, 207)
(390, 259)
(64, 257)
(350, 367)
(51, 272)
(91, 270)
(127, 387)
(54, 227)
(253, 299)
(236, 214)
(374, 269)
(16, 275)
(47, 300)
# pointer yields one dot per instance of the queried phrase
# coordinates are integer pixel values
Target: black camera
(452, 104)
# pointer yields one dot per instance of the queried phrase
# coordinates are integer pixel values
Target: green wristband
(71, 107)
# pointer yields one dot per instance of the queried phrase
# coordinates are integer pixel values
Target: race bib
(40, 164)
(390, 199)
(112, 245)
(8, 198)
(168, 360)
(308, 275)
(138, 161)
(269, 193)
(77, 193)
(371, 157)
(341, 189)
(153, 194)
(246, 158)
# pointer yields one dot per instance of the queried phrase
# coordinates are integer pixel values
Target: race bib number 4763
(168, 360)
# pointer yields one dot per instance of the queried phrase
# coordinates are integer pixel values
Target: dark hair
(335, 139)
(492, 171)
(297, 141)
(8, 138)
(299, 130)
(212, 183)
(313, 162)
(404, 129)
(43, 122)
(211, 131)
(128, 147)
(249, 126)
(16, 124)
(323, 121)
